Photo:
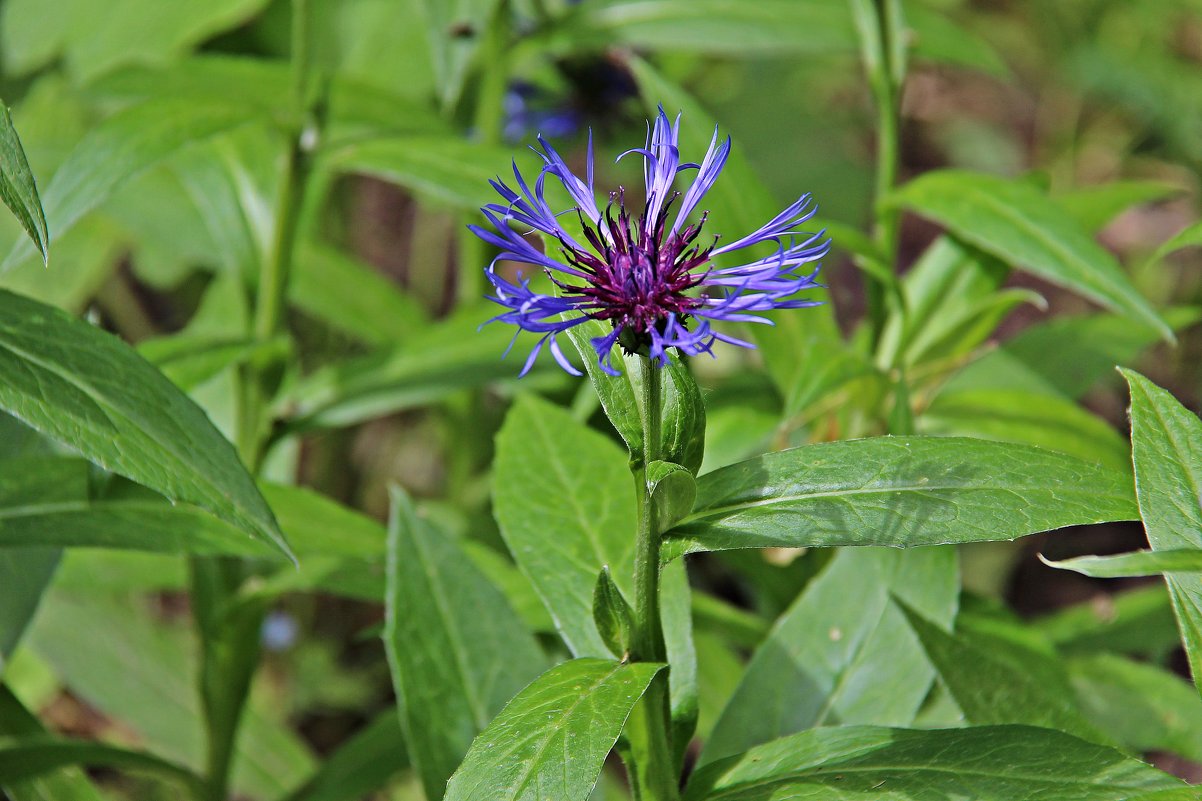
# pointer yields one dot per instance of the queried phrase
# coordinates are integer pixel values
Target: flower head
(652, 278)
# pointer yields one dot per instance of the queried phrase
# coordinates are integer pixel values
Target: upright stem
(883, 52)
(488, 122)
(648, 643)
(230, 626)
(653, 775)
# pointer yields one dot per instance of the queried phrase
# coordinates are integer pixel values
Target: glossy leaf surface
(1166, 445)
(17, 187)
(549, 742)
(899, 491)
(563, 523)
(87, 389)
(453, 666)
(989, 763)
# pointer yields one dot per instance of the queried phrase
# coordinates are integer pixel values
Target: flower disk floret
(656, 283)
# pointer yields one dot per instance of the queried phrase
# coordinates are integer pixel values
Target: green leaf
(361, 765)
(1065, 355)
(92, 392)
(1018, 224)
(899, 491)
(24, 576)
(33, 757)
(93, 39)
(823, 660)
(550, 742)
(1138, 622)
(120, 149)
(318, 525)
(1046, 421)
(353, 297)
(45, 501)
(675, 600)
(612, 614)
(935, 36)
(1135, 563)
(66, 784)
(453, 667)
(951, 304)
(1094, 206)
(1144, 707)
(564, 500)
(454, 31)
(673, 491)
(1166, 445)
(683, 423)
(87, 638)
(716, 26)
(1188, 237)
(446, 170)
(446, 357)
(189, 360)
(995, 680)
(353, 107)
(17, 187)
(987, 763)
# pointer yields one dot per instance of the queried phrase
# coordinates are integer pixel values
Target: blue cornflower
(648, 278)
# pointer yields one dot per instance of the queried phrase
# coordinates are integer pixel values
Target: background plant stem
(883, 50)
(229, 625)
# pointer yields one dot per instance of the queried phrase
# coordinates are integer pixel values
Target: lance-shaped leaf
(550, 742)
(612, 614)
(361, 765)
(995, 679)
(33, 757)
(458, 651)
(92, 392)
(1020, 225)
(448, 356)
(1065, 355)
(1133, 564)
(899, 491)
(987, 763)
(24, 575)
(1046, 421)
(1094, 206)
(446, 170)
(1166, 446)
(17, 187)
(121, 148)
(822, 661)
(564, 499)
(66, 784)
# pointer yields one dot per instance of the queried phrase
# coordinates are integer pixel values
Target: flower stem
(648, 643)
(649, 729)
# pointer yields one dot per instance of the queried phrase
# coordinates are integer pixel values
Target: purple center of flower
(640, 272)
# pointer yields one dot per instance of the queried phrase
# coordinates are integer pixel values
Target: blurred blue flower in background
(652, 280)
(280, 631)
(529, 108)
